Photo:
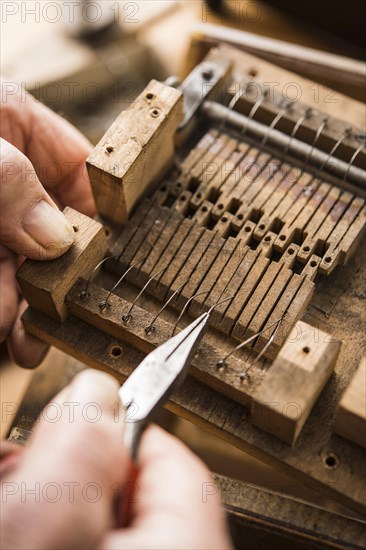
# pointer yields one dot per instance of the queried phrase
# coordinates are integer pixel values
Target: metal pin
(322, 125)
(185, 308)
(294, 131)
(232, 104)
(345, 134)
(253, 110)
(271, 127)
(273, 336)
(127, 316)
(105, 303)
(222, 362)
(84, 295)
(274, 122)
(219, 304)
(353, 158)
(150, 327)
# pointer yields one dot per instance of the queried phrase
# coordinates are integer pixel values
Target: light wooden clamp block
(294, 382)
(136, 151)
(45, 284)
(351, 415)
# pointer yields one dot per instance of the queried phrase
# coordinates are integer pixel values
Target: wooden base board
(320, 459)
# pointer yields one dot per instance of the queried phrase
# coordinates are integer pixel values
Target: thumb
(30, 223)
(68, 477)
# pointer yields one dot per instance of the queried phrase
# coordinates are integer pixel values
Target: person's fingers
(56, 149)
(24, 349)
(61, 161)
(10, 455)
(30, 223)
(172, 508)
(9, 295)
(74, 464)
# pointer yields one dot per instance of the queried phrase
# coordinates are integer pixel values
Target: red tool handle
(128, 497)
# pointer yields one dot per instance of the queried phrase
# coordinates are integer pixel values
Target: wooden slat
(252, 275)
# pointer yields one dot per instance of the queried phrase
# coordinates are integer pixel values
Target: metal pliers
(155, 378)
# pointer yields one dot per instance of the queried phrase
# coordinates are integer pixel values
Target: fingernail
(49, 227)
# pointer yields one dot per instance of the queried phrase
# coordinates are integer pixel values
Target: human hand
(42, 168)
(59, 492)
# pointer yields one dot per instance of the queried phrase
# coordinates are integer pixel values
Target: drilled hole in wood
(240, 216)
(267, 239)
(149, 96)
(182, 198)
(313, 263)
(224, 220)
(199, 196)
(282, 237)
(109, 149)
(75, 228)
(247, 229)
(306, 349)
(154, 113)
(220, 206)
(253, 72)
(262, 227)
(328, 259)
(290, 251)
(204, 209)
(306, 249)
(115, 351)
(331, 461)
(163, 188)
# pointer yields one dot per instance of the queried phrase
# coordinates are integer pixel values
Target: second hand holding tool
(150, 385)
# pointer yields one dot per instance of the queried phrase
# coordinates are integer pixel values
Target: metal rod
(279, 141)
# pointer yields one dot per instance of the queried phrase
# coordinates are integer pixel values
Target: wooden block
(351, 416)
(136, 151)
(294, 382)
(45, 284)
